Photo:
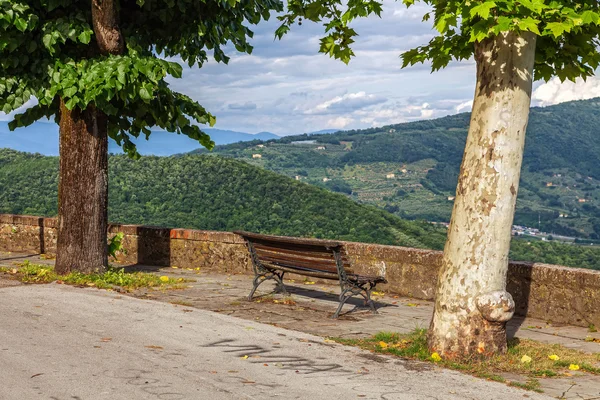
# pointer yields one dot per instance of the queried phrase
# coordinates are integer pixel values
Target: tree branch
(105, 16)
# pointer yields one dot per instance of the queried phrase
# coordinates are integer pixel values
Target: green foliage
(115, 244)
(567, 44)
(48, 51)
(556, 253)
(129, 281)
(335, 17)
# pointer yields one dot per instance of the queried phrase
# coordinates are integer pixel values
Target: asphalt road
(64, 343)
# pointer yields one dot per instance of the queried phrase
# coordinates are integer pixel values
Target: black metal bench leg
(257, 281)
(280, 287)
(343, 299)
(369, 302)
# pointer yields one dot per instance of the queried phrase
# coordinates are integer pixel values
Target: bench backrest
(309, 255)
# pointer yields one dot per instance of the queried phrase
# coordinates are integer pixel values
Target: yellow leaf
(554, 357)
(378, 293)
(244, 357)
(525, 359)
(164, 278)
(309, 283)
(172, 266)
(383, 345)
(436, 357)
(574, 367)
(411, 304)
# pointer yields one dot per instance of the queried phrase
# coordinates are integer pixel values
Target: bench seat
(273, 256)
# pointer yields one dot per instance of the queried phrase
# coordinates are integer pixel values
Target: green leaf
(85, 37)
(558, 28)
(483, 10)
(529, 24)
(145, 94)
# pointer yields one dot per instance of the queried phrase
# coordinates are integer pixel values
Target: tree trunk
(83, 181)
(82, 191)
(472, 305)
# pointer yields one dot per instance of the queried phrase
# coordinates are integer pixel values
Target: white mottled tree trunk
(472, 305)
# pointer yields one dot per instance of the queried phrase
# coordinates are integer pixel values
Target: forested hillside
(221, 194)
(411, 169)
(214, 194)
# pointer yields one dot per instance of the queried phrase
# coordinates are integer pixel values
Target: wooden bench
(273, 256)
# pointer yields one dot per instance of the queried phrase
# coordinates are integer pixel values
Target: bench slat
(291, 263)
(304, 253)
(306, 272)
(289, 240)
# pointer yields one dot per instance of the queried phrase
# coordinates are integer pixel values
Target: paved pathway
(65, 343)
(314, 303)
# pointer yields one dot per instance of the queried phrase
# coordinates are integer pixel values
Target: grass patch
(113, 277)
(414, 346)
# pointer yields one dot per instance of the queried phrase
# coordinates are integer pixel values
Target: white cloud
(339, 122)
(346, 103)
(554, 91)
(466, 106)
(9, 117)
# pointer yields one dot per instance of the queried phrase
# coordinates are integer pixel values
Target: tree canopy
(49, 52)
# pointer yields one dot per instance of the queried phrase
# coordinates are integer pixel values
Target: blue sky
(287, 87)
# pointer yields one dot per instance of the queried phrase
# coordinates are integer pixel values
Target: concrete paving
(61, 343)
(313, 303)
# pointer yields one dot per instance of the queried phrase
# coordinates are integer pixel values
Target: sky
(287, 87)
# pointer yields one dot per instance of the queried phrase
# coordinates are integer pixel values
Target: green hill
(560, 185)
(214, 194)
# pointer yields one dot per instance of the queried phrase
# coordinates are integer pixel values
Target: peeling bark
(83, 181)
(472, 305)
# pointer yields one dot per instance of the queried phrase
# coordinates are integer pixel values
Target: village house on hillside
(256, 155)
(390, 176)
(321, 148)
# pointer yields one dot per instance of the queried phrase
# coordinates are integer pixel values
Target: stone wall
(553, 293)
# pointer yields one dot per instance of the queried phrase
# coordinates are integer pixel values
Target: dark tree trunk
(82, 191)
(83, 182)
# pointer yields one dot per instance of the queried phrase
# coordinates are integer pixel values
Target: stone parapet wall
(553, 293)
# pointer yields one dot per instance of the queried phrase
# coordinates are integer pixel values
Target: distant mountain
(42, 138)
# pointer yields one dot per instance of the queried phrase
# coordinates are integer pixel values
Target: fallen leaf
(378, 293)
(164, 278)
(106, 339)
(187, 310)
(41, 373)
(154, 347)
(525, 359)
(309, 283)
(554, 357)
(233, 371)
(436, 357)
(412, 305)
(213, 372)
(574, 367)
(383, 345)
(244, 357)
